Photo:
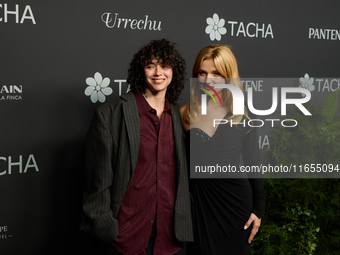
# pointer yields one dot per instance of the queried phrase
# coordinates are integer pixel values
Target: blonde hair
(226, 64)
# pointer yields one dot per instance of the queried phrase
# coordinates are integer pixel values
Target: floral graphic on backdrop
(215, 28)
(307, 83)
(98, 88)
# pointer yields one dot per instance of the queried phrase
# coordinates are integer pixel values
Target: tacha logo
(10, 13)
(307, 83)
(98, 88)
(216, 29)
(17, 164)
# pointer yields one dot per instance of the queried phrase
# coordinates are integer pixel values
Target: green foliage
(296, 235)
(303, 215)
(316, 138)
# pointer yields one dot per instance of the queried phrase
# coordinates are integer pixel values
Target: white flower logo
(307, 83)
(215, 28)
(98, 88)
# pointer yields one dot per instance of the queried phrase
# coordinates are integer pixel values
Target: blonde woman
(227, 211)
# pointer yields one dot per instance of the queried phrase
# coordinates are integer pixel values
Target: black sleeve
(99, 220)
(251, 158)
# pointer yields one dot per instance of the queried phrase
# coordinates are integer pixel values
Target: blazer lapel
(178, 135)
(131, 117)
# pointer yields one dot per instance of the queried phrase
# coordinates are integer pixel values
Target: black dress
(222, 206)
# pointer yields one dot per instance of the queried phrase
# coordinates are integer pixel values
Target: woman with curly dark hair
(165, 53)
(136, 191)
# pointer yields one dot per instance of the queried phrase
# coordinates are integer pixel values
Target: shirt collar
(144, 107)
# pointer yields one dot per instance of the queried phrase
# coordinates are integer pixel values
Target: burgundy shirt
(152, 190)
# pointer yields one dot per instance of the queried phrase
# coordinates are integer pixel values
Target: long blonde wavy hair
(226, 64)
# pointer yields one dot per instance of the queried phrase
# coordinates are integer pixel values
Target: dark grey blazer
(112, 146)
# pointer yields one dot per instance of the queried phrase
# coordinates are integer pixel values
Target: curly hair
(165, 52)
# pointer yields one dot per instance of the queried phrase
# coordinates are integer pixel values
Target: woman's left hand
(256, 224)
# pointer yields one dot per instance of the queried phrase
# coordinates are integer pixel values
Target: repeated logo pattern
(307, 83)
(215, 28)
(98, 88)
